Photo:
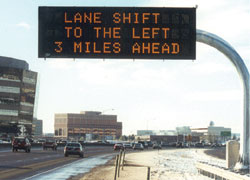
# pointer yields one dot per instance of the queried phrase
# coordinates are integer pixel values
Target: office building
(71, 125)
(37, 127)
(17, 97)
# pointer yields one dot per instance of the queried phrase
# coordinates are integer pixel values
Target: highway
(20, 165)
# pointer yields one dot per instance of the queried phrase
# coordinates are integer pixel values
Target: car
(144, 143)
(156, 146)
(118, 146)
(150, 144)
(138, 146)
(74, 148)
(41, 141)
(50, 143)
(127, 146)
(5, 141)
(199, 144)
(216, 145)
(21, 143)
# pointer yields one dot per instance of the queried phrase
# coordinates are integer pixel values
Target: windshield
(159, 86)
(73, 145)
(19, 140)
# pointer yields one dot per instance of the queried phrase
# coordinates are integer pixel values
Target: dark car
(74, 148)
(50, 143)
(21, 143)
(199, 144)
(216, 145)
(118, 146)
(150, 144)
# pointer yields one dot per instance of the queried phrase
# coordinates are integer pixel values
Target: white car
(127, 146)
(138, 146)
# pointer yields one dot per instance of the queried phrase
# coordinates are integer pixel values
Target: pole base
(240, 167)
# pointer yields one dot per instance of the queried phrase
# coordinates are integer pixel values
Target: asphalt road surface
(20, 165)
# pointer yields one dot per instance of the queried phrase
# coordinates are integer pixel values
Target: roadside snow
(180, 164)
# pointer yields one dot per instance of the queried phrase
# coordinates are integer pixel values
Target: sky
(144, 94)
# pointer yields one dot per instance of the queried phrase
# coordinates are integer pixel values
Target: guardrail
(219, 173)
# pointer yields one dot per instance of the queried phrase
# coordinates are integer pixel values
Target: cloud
(226, 95)
(24, 25)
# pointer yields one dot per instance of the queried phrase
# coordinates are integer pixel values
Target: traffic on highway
(22, 159)
(20, 163)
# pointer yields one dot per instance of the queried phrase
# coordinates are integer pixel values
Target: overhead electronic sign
(117, 32)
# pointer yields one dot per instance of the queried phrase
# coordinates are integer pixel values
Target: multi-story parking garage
(17, 97)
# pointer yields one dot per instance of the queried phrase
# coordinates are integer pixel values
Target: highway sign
(225, 133)
(117, 32)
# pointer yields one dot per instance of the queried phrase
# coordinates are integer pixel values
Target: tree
(131, 137)
(124, 138)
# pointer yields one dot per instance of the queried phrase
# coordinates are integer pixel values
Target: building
(17, 97)
(183, 130)
(145, 132)
(218, 134)
(156, 132)
(71, 125)
(213, 133)
(37, 127)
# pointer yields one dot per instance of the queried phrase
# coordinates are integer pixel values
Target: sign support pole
(224, 47)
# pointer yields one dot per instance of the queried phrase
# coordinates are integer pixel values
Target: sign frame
(178, 42)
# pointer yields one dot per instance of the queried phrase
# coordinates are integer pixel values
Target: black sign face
(117, 32)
